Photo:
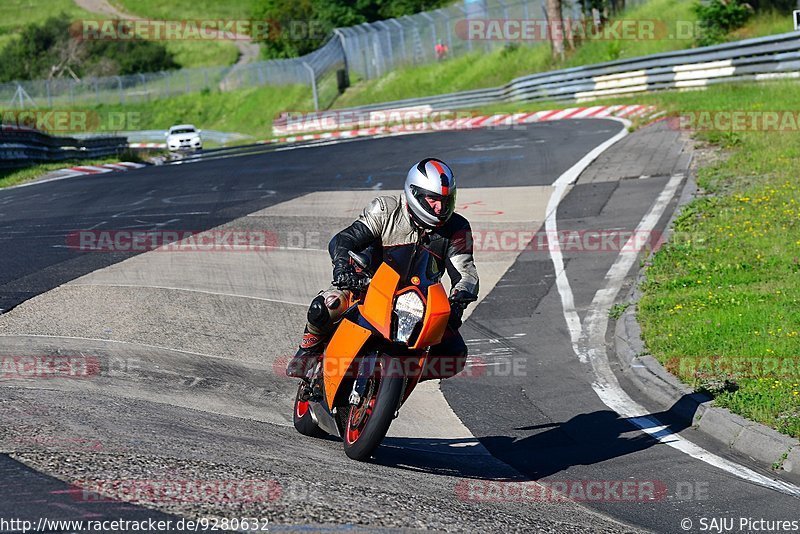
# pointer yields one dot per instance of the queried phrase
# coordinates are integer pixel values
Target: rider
(423, 215)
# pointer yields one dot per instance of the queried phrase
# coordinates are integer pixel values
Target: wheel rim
(301, 408)
(359, 415)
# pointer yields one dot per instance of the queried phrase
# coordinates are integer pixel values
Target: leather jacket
(386, 221)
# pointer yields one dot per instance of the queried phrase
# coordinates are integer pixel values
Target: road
(189, 349)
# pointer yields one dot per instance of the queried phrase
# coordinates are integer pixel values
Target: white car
(183, 137)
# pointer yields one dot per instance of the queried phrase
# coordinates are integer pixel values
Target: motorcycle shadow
(590, 438)
(464, 458)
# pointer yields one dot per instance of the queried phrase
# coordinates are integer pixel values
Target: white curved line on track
(121, 342)
(206, 292)
(588, 339)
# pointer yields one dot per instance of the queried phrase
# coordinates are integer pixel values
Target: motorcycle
(378, 351)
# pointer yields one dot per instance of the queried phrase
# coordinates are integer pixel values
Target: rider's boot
(306, 357)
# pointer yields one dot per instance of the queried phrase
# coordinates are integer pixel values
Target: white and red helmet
(427, 181)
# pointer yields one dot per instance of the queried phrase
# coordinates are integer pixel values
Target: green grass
(190, 54)
(197, 9)
(763, 24)
(728, 294)
(480, 70)
(27, 174)
(14, 14)
(248, 111)
(194, 53)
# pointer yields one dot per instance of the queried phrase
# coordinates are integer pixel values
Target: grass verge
(14, 14)
(720, 308)
(28, 174)
(193, 53)
(248, 111)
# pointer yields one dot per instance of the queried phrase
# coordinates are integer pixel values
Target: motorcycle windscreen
(342, 349)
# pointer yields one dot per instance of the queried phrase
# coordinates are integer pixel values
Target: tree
(300, 26)
(50, 50)
(556, 28)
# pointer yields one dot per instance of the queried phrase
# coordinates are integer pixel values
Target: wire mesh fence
(366, 51)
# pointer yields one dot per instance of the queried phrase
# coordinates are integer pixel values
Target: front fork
(366, 368)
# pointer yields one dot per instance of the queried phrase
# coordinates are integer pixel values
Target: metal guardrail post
(313, 84)
(387, 31)
(338, 33)
(466, 16)
(402, 37)
(433, 28)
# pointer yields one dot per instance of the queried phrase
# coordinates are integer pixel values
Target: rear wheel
(303, 421)
(367, 423)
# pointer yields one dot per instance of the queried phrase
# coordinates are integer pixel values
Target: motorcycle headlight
(409, 310)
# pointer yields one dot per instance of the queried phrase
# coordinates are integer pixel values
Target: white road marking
(161, 347)
(139, 286)
(588, 339)
(560, 187)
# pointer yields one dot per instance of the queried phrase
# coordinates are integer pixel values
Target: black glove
(458, 303)
(345, 276)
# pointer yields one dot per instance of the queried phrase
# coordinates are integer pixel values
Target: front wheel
(368, 423)
(303, 421)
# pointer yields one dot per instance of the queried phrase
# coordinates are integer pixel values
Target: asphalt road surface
(185, 350)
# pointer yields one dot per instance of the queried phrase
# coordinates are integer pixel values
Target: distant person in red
(441, 50)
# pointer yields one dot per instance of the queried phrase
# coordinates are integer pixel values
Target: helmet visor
(440, 206)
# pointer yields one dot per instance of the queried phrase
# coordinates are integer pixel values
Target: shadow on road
(447, 457)
(588, 439)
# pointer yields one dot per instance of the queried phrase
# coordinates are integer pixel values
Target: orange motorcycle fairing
(437, 313)
(342, 349)
(379, 303)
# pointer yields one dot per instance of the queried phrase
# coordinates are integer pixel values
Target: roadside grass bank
(9, 177)
(193, 53)
(14, 14)
(248, 111)
(481, 70)
(721, 306)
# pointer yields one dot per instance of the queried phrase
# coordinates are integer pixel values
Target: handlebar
(361, 284)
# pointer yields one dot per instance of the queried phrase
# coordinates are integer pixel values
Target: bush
(717, 18)
(49, 49)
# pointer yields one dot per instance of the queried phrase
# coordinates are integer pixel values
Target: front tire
(303, 421)
(367, 424)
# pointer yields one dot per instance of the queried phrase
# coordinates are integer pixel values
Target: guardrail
(20, 147)
(763, 58)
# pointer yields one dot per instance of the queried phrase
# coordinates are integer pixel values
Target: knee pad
(318, 315)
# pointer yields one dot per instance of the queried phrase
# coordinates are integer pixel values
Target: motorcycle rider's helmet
(430, 193)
